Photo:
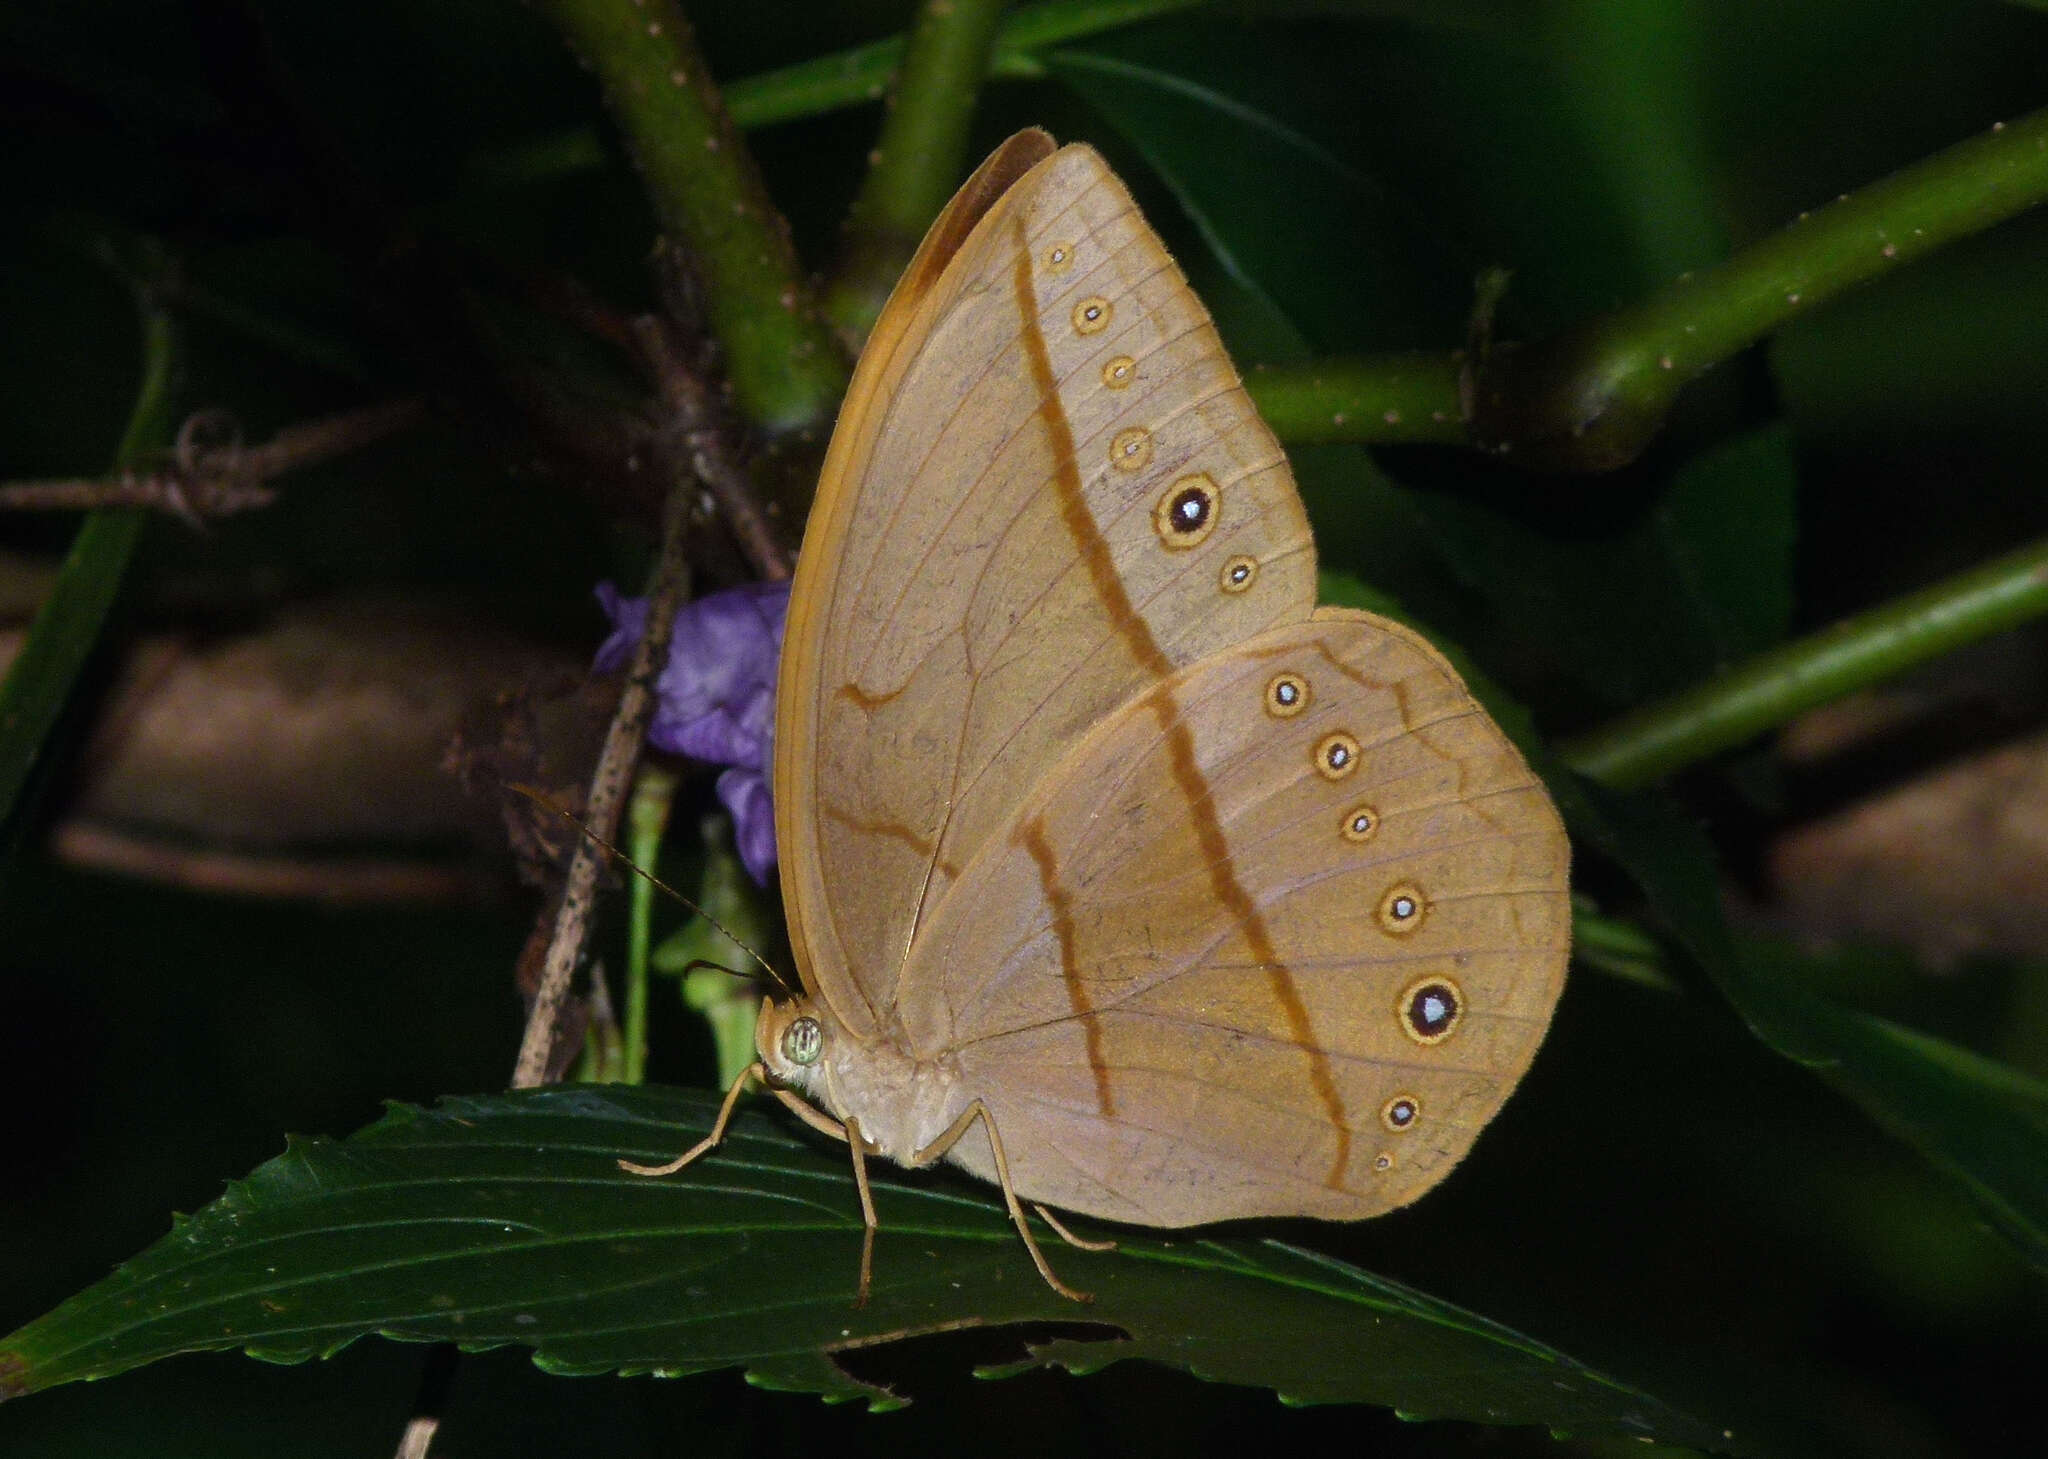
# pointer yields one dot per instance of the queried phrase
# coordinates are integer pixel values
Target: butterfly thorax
(901, 1104)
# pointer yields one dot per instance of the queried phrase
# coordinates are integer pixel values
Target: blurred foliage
(1667, 1199)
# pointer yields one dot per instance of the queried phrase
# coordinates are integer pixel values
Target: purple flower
(715, 698)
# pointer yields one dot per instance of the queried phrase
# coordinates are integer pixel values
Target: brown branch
(608, 786)
(211, 474)
(335, 881)
(698, 438)
(296, 447)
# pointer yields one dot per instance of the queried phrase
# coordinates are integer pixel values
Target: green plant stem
(1657, 739)
(917, 161)
(67, 625)
(1376, 400)
(1592, 397)
(786, 369)
(647, 812)
(851, 77)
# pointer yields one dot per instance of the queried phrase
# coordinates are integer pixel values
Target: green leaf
(67, 625)
(503, 1219)
(1980, 1122)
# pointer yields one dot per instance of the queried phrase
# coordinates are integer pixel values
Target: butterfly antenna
(620, 858)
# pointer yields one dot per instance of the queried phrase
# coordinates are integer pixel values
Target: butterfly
(1117, 871)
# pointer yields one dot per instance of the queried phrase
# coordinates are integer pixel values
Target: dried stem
(698, 441)
(608, 787)
(211, 474)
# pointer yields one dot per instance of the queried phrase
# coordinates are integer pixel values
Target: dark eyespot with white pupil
(1091, 315)
(1286, 695)
(1336, 755)
(803, 1041)
(1399, 1113)
(1431, 1010)
(1401, 909)
(1186, 514)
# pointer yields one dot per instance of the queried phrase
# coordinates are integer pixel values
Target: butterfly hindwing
(1278, 937)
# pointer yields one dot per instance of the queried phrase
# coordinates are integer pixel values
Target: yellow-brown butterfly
(1116, 870)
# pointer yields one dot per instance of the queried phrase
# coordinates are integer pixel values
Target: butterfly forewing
(1277, 938)
(1048, 492)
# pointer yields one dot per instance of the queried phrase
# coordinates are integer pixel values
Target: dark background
(1665, 1199)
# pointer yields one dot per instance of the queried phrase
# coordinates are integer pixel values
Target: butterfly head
(791, 1039)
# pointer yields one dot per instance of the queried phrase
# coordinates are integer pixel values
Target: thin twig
(211, 474)
(608, 786)
(296, 447)
(418, 1437)
(698, 436)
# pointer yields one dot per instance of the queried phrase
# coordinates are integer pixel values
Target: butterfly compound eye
(803, 1041)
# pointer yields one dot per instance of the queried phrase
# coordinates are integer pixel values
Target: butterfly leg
(869, 1224)
(949, 1139)
(709, 1142)
(1067, 1236)
(858, 1144)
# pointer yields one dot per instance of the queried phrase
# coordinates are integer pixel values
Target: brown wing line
(1111, 789)
(1058, 900)
(1077, 665)
(859, 587)
(998, 965)
(1122, 1004)
(1187, 773)
(1082, 661)
(960, 790)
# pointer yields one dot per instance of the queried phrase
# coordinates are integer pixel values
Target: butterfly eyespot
(1336, 755)
(1238, 574)
(1360, 823)
(1186, 515)
(1430, 1009)
(1059, 256)
(1401, 909)
(1383, 1162)
(1119, 372)
(1091, 315)
(1286, 695)
(1400, 1112)
(803, 1041)
(1131, 450)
